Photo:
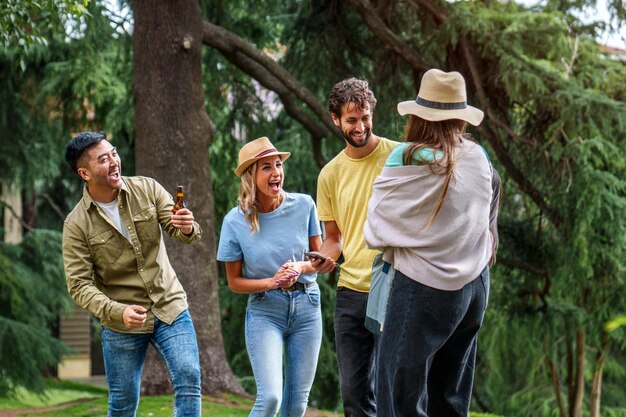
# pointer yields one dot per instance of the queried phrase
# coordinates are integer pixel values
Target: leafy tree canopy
(24, 23)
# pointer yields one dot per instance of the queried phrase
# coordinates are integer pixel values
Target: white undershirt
(113, 213)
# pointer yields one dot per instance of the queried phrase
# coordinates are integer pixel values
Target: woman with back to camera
(263, 241)
(433, 213)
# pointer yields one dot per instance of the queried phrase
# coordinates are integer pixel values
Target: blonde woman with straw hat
(430, 214)
(263, 241)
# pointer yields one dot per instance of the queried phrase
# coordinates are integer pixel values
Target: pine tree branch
(270, 82)
(512, 263)
(274, 77)
(439, 15)
(495, 141)
(52, 204)
(20, 219)
(380, 30)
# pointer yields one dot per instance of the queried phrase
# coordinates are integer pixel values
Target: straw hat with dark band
(442, 96)
(255, 150)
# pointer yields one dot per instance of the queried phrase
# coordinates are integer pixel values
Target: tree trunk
(172, 139)
(577, 407)
(596, 388)
(12, 202)
(570, 377)
(556, 383)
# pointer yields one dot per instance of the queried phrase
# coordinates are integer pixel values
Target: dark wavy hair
(351, 90)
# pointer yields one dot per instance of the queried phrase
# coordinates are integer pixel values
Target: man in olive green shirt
(118, 270)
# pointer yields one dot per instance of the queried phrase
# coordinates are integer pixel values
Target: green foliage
(32, 147)
(80, 83)
(27, 23)
(32, 295)
(615, 324)
(90, 83)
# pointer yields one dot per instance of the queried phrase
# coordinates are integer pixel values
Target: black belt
(296, 286)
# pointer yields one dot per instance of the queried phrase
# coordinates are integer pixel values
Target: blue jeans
(428, 348)
(124, 355)
(356, 353)
(289, 320)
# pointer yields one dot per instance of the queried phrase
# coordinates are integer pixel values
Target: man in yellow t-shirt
(344, 188)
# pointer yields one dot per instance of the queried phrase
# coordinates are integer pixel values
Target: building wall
(75, 332)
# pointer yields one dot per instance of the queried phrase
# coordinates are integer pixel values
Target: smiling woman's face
(269, 177)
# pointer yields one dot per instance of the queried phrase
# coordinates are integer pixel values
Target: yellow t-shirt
(344, 188)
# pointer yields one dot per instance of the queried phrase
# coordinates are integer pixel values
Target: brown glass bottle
(180, 199)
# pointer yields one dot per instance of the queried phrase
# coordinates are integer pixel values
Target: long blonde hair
(442, 136)
(247, 200)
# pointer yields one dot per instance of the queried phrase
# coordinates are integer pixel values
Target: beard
(346, 136)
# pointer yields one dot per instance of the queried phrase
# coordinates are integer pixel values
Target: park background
(179, 86)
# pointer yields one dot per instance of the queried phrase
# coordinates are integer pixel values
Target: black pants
(356, 354)
(427, 350)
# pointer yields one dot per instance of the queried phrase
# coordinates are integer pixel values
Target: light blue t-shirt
(423, 155)
(283, 235)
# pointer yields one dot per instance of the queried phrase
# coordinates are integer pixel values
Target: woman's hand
(288, 274)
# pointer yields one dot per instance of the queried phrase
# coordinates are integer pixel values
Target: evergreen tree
(32, 294)
(62, 84)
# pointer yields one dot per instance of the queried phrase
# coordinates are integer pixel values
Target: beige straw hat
(255, 150)
(442, 96)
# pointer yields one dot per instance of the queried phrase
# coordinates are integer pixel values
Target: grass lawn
(71, 399)
(159, 406)
(56, 392)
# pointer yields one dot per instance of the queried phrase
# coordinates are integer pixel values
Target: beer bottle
(180, 199)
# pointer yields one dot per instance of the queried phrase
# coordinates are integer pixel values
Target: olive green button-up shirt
(106, 272)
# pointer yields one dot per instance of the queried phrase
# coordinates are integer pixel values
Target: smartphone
(315, 255)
